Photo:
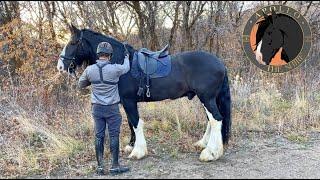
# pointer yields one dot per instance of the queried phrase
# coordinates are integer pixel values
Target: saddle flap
(147, 64)
(153, 67)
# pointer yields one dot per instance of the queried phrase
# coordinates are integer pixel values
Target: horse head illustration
(278, 31)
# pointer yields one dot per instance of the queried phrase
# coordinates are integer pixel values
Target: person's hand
(84, 92)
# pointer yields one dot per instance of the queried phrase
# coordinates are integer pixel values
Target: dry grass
(41, 139)
(48, 128)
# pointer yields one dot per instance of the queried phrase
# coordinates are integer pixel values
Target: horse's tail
(224, 105)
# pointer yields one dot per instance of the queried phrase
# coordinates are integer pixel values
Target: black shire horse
(274, 32)
(192, 73)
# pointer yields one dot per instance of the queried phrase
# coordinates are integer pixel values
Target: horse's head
(82, 48)
(269, 38)
(75, 53)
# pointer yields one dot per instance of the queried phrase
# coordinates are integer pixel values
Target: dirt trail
(268, 157)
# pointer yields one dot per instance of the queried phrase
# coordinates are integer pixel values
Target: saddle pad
(157, 68)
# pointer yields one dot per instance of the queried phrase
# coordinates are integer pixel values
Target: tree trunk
(152, 8)
(9, 10)
(172, 38)
(51, 10)
(186, 31)
(141, 23)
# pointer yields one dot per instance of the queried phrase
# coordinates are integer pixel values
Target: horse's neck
(100, 38)
(94, 44)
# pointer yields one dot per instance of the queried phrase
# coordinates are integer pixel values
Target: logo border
(278, 69)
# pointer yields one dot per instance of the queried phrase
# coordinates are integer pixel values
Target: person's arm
(84, 80)
(125, 67)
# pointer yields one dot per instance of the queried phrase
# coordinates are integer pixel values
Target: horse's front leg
(140, 145)
(128, 149)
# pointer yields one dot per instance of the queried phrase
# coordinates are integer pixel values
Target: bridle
(72, 60)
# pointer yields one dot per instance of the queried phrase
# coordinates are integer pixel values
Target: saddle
(148, 65)
(157, 54)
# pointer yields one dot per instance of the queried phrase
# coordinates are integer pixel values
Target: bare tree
(141, 18)
(152, 12)
(9, 10)
(40, 18)
(191, 14)
(175, 25)
(51, 12)
(147, 12)
(61, 7)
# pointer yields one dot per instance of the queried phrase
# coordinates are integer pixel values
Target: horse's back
(199, 63)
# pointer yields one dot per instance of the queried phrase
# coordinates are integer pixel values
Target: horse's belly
(172, 86)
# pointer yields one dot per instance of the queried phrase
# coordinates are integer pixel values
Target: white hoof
(206, 155)
(201, 144)
(211, 155)
(128, 149)
(138, 152)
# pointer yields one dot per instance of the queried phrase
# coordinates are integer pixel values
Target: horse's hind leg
(214, 147)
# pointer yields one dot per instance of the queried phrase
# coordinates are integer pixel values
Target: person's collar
(102, 61)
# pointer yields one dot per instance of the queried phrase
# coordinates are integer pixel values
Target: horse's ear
(267, 18)
(264, 15)
(73, 29)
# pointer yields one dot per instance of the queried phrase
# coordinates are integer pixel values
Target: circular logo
(277, 38)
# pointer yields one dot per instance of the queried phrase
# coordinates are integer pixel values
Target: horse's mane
(109, 38)
(118, 47)
(262, 26)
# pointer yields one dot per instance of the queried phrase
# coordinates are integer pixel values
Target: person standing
(104, 77)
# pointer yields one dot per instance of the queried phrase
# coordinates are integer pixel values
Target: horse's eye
(269, 33)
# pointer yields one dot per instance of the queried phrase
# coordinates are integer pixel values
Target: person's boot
(114, 149)
(99, 146)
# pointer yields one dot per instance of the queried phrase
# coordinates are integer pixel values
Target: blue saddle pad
(160, 67)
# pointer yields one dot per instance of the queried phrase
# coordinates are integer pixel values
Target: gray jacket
(104, 92)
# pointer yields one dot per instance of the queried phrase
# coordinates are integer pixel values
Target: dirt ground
(254, 156)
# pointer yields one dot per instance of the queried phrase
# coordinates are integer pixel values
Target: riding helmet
(105, 48)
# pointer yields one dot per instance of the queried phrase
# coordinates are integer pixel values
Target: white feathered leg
(214, 149)
(202, 143)
(140, 145)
